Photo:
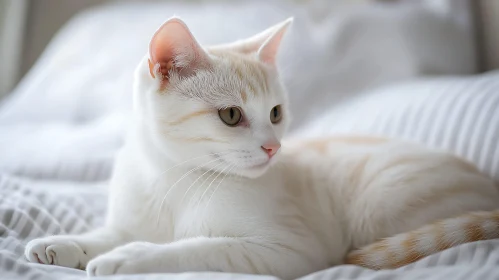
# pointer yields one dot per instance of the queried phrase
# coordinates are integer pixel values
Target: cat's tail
(409, 247)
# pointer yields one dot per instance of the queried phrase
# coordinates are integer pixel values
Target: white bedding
(61, 127)
(33, 208)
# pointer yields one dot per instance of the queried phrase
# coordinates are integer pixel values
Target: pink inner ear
(265, 44)
(174, 48)
(268, 51)
(161, 52)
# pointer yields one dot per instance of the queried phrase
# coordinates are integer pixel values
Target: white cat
(201, 183)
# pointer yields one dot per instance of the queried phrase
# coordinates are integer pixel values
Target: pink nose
(271, 149)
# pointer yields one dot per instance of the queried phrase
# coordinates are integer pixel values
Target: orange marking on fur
(239, 74)
(203, 139)
(358, 139)
(359, 257)
(409, 245)
(391, 256)
(495, 216)
(189, 116)
(244, 96)
(151, 69)
(252, 88)
(322, 144)
(440, 234)
(241, 65)
(473, 230)
(355, 259)
(254, 72)
(191, 139)
(379, 246)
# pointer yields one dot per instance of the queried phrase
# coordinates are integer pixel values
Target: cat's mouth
(260, 165)
(251, 167)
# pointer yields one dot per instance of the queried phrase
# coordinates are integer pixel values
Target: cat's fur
(405, 248)
(190, 193)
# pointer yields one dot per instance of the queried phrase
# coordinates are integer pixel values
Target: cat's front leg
(73, 251)
(223, 254)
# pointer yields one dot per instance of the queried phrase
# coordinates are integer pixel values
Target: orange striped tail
(406, 248)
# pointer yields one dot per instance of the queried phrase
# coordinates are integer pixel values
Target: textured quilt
(33, 208)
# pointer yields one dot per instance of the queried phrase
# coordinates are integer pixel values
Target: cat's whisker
(213, 193)
(180, 179)
(199, 187)
(202, 175)
(178, 164)
(209, 186)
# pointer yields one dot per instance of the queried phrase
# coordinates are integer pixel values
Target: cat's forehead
(233, 80)
(254, 77)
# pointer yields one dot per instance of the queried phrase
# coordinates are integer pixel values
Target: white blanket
(62, 126)
(33, 208)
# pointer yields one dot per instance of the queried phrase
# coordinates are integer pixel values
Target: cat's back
(384, 186)
(360, 157)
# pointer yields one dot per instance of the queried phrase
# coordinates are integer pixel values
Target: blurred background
(27, 26)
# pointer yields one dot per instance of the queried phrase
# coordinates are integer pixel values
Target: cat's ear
(173, 48)
(270, 47)
(265, 44)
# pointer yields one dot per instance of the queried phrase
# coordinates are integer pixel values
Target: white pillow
(353, 48)
(459, 114)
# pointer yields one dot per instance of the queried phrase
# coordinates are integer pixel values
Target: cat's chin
(254, 171)
(250, 173)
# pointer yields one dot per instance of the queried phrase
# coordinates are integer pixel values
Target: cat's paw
(55, 250)
(133, 258)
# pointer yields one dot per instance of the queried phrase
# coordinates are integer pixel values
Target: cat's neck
(151, 160)
(145, 150)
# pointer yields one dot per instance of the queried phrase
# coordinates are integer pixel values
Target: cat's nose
(271, 148)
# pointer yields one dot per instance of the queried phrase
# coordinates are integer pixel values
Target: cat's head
(221, 107)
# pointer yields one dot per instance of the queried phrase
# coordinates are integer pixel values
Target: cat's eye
(231, 116)
(276, 114)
